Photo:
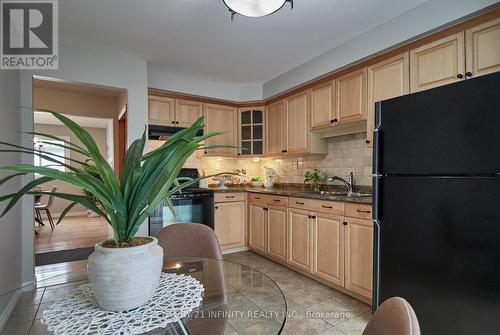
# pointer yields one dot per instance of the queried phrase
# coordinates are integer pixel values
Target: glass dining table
(236, 300)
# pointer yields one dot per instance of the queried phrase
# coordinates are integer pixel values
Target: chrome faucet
(349, 183)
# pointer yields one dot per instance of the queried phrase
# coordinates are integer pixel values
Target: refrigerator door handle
(377, 140)
(376, 266)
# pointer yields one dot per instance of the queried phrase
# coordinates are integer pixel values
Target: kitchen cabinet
(300, 230)
(329, 248)
(230, 227)
(220, 118)
(387, 79)
(359, 256)
(251, 131)
(257, 227)
(297, 125)
(323, 112)
(438, 63)
(161, 110)
(187, 112)
(275, 128)
(483, 48)
(350, 91)
(276, 232)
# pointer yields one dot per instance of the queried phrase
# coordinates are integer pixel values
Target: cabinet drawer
(229, 196)
(361, 211)
(301, 203)
(269, 199)
(328, 207)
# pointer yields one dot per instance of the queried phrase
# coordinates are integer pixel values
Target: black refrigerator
(436, 205)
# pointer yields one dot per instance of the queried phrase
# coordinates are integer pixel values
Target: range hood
(162, 133)
(342, 129)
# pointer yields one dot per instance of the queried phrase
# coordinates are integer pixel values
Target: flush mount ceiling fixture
(254, 8)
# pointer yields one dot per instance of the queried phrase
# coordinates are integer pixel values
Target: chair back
(189, 240)
(51, 197)
(394, 317)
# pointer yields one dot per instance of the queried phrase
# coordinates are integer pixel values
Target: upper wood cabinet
(329, 248)
(359, 256)
(187, 112)
(300, 242)
(251, 131)
(220, 118)
(350, 91)
(483, 48)
(297, 125)
(387, 79)
(230, 227)
(257, 227)
(275, 128)
(276, 232)
(161, 110)
(323, 105)
(438, 63)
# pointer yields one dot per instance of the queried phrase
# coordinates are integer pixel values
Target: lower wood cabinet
(257, 227)
(276, 232)
(230, 227)
(359, 256)
(329, 248)
(300, 239)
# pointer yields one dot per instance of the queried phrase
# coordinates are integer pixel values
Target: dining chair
(189, 240)
(394, 317)
(39, 207)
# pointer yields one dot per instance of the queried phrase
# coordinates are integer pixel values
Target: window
(53, 147)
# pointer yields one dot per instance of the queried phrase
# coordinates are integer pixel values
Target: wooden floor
(73, 232)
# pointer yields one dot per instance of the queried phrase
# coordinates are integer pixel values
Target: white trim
(5, 315)
(233, 250)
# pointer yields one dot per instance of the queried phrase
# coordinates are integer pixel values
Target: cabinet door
(300, 239)
(351, 97)
(251, 131)
(322, 105)
(275, 128)
(276, 232)
(438, 63)
(329, 248)
(297, 116)
(482, 45)
(387, 79)
(221, 119)
(359, 256)
(187, 112)
(258, 231)
(230, 224)
(161, 110)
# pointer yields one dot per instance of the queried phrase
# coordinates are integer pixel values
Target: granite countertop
(296, 192)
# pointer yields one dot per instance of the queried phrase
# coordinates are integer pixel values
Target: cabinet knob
(173, 122)
(460, 76)
(284, 151)
(468, 74)
(216, 207)
(334, 121)
(206, 152)
(345, 223)
(367, 141)
(176, 122)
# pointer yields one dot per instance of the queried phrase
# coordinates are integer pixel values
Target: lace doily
(78, 313)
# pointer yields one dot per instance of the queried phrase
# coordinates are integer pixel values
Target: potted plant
(123, 271)
(313, 177)
(256, 181)
(270, 174)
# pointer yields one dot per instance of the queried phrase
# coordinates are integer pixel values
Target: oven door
(192, 207)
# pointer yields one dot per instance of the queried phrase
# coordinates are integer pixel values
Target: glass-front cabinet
(251, 132)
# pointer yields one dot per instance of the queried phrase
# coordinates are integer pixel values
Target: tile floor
(313, 308)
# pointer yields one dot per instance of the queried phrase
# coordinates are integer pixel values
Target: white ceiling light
(254, 8)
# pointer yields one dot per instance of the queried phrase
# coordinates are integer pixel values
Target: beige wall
(99, 136)
(80, 104)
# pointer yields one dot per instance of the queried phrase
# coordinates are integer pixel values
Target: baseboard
(5, 315)
(233, 250)
(83, 213)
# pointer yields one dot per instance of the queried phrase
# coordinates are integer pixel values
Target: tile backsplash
(345, 154)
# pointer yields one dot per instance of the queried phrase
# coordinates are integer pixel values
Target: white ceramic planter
(125, 278)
